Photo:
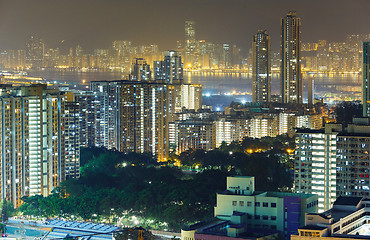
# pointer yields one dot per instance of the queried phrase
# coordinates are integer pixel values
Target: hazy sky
(96, 23)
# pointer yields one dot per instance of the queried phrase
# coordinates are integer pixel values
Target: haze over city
(96, 23)
(191, 120)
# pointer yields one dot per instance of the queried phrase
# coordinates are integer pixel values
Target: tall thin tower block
(366, 80)
(190, 44)
(261, 78)
(311, 90)
(291, 80)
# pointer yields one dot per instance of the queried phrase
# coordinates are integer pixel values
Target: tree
(4, 212)
(7, 210)
(345, 111)
(2, 228)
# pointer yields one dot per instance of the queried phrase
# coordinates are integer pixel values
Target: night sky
(96, 23)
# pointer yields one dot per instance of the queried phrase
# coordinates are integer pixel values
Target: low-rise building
(348, 219)
(243, 212)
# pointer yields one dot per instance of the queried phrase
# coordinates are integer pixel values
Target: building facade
(93, 120)
(353, 168)
(261, 68)
(108, 94)
(72, 139)
(290, 72)
(348, 219)
(140, 70)
(32, 141)
(241, 211)
(144, 118)
(195, 134)
(170, 70)
(366, 79)
(315, 163)
(190, 45)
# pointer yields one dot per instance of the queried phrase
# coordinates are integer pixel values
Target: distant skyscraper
(140, 70)
(366, 80)
(261, 86)
(291, 81)
(311, 89)
(35, 52)
(226, 56)
(190, 44)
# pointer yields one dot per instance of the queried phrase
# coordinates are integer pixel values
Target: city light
(142, 125)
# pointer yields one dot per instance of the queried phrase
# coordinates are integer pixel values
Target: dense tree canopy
(345, 111)
(113, 183)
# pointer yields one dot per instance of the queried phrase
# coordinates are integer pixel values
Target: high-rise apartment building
(315, 163)
(109, 108)
(140, 70)
(291, 80)
(190, 44)
(32, 150)
(72, 138)
(261, 75)
(191, 96)
(366, 80)
(195, 134)
(143, 118)
(353, 167)
(333, 162)
(170, 70)
(229, 130)
(93, 119)
(263, 125)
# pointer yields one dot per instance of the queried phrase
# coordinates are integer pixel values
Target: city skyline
(95, 24)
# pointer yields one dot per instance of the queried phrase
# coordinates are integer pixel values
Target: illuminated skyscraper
(291, 80)
(140, 70)
(35, 52)
(170, 70)
(366, 80)
(190, 44)
(144, 118)
(32, 151)
(72, 137)
(315, 163)
(261, 85)
(353, 169)
(109, 109)
(226, 55)
(93, 121)
(195, 134)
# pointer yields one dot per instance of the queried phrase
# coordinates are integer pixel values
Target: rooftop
(307, 130)
(204, 224)
(313, 227)
(346, 134)
(271, 194)
(348, 201)
(84, 230)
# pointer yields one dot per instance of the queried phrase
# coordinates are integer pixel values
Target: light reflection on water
(240, 81)
(220, 82)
